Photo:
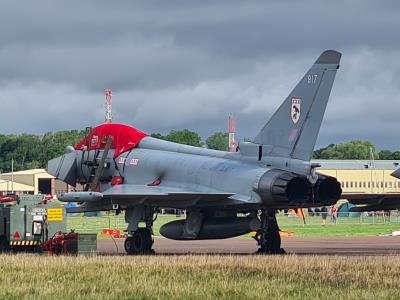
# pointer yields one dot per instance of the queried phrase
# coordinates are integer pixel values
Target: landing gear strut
(140, 242)
(268, 237)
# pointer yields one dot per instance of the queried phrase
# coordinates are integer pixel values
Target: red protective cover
(124, 138)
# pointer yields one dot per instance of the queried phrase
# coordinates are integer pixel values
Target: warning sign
(54, 214)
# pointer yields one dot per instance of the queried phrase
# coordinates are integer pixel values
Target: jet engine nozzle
(327, 190)
(283, 189)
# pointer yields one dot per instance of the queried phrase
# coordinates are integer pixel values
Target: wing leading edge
(128, 195)
(130, 191)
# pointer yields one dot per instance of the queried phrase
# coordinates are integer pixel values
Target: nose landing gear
(140, 242)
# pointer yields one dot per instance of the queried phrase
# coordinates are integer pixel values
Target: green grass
(369, 226)
(199, 277)
(342, 230)
(366, 226)
(96, 224)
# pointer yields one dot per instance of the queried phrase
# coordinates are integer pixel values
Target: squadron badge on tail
(295, 111)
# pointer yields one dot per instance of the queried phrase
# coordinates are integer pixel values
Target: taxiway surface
(377, 245)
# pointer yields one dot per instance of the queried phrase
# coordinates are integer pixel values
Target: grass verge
(199, 277)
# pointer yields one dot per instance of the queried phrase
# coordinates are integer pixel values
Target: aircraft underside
(204, 225)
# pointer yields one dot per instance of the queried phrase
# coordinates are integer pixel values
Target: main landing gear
(267, 236)
(140, 240)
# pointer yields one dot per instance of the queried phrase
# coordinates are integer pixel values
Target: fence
(370, 217)
(111, 221)
(95, 224)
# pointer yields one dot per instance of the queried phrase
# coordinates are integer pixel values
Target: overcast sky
(188, 64)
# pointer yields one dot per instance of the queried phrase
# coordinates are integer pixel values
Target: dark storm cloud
(187, 64)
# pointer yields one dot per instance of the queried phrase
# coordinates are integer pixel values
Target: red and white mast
(108, 117)
(231, 133)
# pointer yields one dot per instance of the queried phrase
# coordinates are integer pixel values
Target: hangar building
(362, 176)
(35, 181)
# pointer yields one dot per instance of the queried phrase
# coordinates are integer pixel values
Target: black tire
(139, 243)
(127, 245)
(275, 240)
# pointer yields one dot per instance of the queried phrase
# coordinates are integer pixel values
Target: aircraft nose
(64, 168)
(396, 173)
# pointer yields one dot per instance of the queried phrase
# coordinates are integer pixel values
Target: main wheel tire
(139, 243)
(275, 241)
(127, 245)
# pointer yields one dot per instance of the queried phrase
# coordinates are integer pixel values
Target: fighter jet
(396, 173)
(367, 202)
(367, 199)
(225, 194)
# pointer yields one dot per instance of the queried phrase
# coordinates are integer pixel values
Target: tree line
(31, 151)
(355, 150)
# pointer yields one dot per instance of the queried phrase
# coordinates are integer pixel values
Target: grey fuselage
(253, 182)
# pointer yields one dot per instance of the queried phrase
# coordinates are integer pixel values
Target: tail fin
(292, 131)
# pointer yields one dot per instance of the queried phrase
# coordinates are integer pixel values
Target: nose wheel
(140, 242)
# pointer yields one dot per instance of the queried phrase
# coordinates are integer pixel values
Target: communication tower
(231, 133)
(108, 118)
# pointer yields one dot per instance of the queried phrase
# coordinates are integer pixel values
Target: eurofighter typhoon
(224, 194)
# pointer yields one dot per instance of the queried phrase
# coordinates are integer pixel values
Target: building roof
(6, 185)
(42, 172)
(358, 164)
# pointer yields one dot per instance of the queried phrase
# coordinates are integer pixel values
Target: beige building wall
(7, 187)
(365, 181)
(28, 178)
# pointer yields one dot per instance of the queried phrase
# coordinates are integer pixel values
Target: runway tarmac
(375, 245)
